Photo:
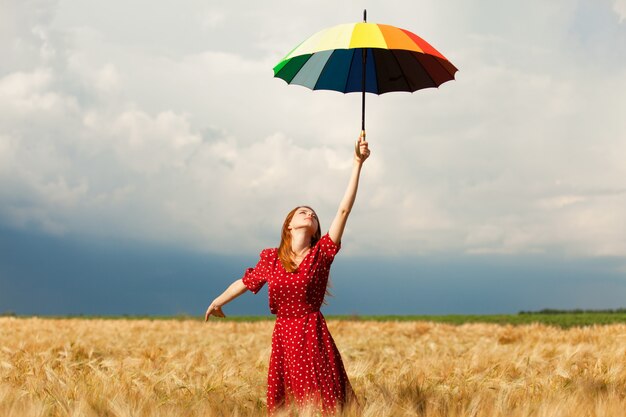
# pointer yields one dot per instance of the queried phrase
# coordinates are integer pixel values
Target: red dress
(305, 365)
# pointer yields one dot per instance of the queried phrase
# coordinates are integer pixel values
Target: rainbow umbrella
(365, 57)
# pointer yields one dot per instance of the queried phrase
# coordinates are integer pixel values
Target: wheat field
(80, 367)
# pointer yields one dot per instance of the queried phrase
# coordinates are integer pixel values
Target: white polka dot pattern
(305, 365)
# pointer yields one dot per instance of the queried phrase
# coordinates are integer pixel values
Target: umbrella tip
(364, 15)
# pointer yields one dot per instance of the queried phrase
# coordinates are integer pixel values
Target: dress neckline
(301, 262)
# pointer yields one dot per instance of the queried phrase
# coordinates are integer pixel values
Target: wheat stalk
(123, 368)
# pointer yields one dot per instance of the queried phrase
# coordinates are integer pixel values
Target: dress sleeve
(328, 248)
(255, 278)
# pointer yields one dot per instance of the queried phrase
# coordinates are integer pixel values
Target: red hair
(285, 254)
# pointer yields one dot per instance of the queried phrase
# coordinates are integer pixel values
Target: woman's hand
(235, 290)
(214, 310)
(361, 149)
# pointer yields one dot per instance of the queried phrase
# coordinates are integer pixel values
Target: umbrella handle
(357, 147)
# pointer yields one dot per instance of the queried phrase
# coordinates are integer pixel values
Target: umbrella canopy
(365, 57)
(396, 60)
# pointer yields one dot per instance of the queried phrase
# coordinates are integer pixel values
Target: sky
(147, 155)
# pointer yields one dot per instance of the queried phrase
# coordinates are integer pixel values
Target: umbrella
(365, 57)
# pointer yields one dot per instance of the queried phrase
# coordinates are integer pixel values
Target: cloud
(619, 6)
(142, 175)
(105, 133)
(26, 93)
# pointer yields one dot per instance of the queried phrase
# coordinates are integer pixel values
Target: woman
(305, 365)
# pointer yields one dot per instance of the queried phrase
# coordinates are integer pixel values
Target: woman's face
(304, 217)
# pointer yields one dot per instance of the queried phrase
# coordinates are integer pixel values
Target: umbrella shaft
(363, 112)
(363, 92)
(363, 81)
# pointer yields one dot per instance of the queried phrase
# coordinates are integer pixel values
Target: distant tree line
(575, 311)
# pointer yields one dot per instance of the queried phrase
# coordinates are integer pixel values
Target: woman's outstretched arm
(233, 291)
(361, 153)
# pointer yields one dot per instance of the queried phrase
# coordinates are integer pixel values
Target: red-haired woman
(305, 366)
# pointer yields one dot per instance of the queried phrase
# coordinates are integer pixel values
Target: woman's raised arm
(361, 153)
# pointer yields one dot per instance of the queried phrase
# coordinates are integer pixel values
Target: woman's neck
(300, 242)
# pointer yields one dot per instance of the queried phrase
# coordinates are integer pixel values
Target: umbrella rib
(427, 72)
(323, 69)
(345, 86)
(444, 69)
(377, 91)
(400, 66)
